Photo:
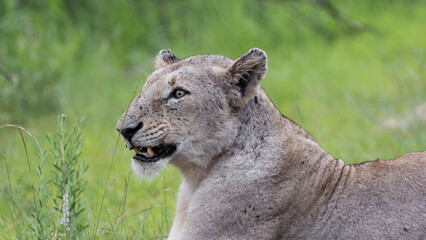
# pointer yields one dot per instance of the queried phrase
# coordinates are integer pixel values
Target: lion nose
(128, 133)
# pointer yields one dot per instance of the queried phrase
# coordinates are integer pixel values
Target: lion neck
(281, 150)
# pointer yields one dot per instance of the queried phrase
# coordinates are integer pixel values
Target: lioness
(248, 172)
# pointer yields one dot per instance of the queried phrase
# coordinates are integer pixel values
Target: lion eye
(179, 93)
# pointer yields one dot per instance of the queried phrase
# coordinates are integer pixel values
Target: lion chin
(148, 169)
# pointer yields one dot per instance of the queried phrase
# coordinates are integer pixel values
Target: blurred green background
(353, 73)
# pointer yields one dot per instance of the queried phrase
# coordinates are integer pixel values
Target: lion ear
(246, 73)
(164, 58)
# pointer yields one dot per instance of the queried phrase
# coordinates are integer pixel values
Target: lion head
(187, 111)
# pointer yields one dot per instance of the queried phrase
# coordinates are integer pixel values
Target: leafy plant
(58, 210)
(67, 176)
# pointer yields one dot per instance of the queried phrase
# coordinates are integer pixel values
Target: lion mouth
(153, 154)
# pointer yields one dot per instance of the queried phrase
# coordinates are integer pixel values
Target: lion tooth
(136, 150)
(149, 152)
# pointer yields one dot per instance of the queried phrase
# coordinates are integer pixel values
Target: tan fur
(250, 173)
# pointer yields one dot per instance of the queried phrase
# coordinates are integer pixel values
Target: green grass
(86, 59)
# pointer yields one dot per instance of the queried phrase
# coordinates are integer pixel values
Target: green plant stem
(113, 156)
(26, 152)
